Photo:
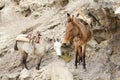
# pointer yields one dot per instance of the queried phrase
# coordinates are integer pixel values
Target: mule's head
(69, 18)
(67, 40)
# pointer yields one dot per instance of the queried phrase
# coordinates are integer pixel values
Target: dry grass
(67, 58)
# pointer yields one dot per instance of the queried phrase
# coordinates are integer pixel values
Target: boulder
(24, 75)
(13, 76)
(117, 11)
(2, 4)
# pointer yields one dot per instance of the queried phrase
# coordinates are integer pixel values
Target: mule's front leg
(80, 59)
(38, 63)
(84, 62)
(24, 59)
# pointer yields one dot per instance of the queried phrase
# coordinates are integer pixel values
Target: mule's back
(71, 32)
(22, 38)
(85, 29)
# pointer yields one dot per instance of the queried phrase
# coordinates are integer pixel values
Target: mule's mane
(83, 22)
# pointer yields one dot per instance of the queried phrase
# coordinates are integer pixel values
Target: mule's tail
(15, 46)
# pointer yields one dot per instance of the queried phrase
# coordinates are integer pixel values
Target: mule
(77, 32)
(39, 47)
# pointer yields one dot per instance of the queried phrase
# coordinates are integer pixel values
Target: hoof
(75, 67)
(37, 68)
(26, 68)
(84, 68)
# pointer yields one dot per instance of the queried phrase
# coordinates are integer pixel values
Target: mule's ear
(77, 14)
(68, 14)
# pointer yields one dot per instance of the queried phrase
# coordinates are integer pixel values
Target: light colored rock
(118, 78)
(24, 74)
(55, 71)
(2, 4)
(5, 77)
(117, 11)
(13, 76)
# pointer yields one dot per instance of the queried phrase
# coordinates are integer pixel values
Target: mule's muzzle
(65, 45)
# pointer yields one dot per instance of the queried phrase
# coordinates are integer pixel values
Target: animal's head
(69, 25)
(49, 44)
(69, 18)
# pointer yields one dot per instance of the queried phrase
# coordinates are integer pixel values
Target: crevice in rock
(4, 51)
(2, 7)
(53, 26)
(26, 13)
(30, 29)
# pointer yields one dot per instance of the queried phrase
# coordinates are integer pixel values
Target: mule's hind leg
(24, 58)
(80, 60)
(38, 63)
(76, 59)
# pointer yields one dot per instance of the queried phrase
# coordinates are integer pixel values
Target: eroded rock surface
(49, 17)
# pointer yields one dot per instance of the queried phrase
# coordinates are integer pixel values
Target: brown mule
(78, 33)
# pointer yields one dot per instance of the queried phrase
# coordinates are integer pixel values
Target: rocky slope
(49, 17)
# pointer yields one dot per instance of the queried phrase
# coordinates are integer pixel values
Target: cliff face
(49, 17)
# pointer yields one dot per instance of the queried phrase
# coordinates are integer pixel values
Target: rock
(115, 59)
(5, 77)
(117, 11)
(61, 2)
(99, 39)
(118, 78)
(28, 6)
(25, 74)
(25, 9)
(34, 6)
(2, 4)
(17, 1)
(55, 71)
(114, 42)
(13, 76)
